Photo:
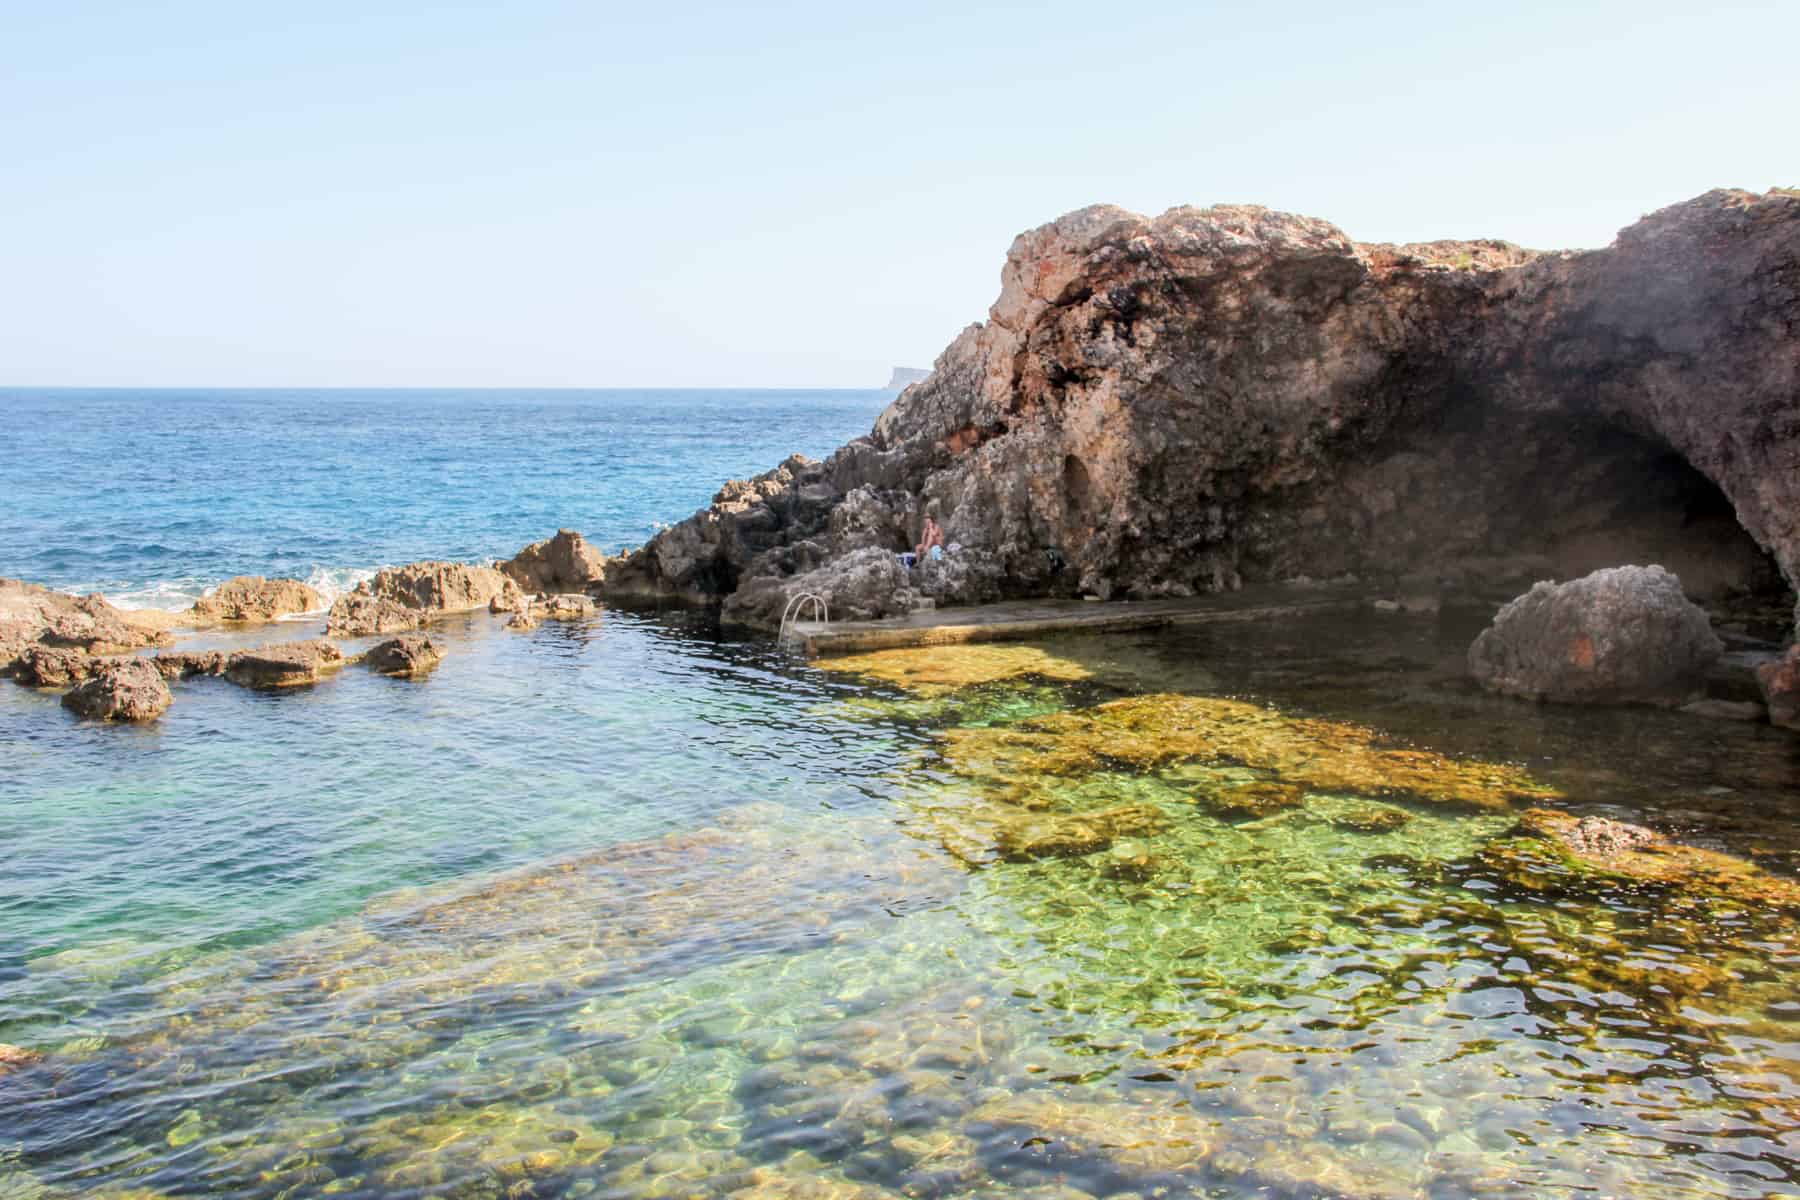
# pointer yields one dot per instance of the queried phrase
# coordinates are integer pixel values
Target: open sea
(632, 907)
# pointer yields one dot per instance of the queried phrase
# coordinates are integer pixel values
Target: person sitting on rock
(931, 538)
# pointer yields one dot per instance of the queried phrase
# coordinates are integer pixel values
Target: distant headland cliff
(1212, 397)
(903, 376)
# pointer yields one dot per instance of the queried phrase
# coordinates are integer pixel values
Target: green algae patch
(1559, 853)
(1151, 733)
(937, 670)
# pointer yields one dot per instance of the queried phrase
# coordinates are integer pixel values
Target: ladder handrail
(797, 607)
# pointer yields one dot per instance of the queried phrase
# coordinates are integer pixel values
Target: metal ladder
(796, 611)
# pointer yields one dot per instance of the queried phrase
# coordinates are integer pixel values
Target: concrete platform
(1018, 620)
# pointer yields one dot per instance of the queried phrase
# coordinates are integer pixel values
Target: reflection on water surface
(620, 910)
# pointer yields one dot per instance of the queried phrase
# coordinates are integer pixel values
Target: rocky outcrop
(1228, 395)
(564, 563)
(128, 689)
(1619, 636)
(399, 599)
(407, 656)
(49, 667)
(1780, 683)
(36, 616)
(358, 614)
(251, 598)
(292, 664)
(187, 664)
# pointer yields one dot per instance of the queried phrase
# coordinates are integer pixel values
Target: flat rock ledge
(292, 664)
(407, 656)
(1624, 635)
(129, 689)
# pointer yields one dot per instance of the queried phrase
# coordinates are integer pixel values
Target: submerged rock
(252, 598)
(1780, 683)
(1559, 853)
(407, 655)
(566, 562)
(130, 689)
(292, 664)
(1071, 835)
(1173, 733)
(1253, 801)
(932, 671)
(570, 606)
(522, 621)
(1618, 636)
(13, 1058)
(399, 599)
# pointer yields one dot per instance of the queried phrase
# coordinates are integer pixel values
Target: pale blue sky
(586, 195)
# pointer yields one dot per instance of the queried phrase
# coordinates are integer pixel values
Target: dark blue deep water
(152, 496)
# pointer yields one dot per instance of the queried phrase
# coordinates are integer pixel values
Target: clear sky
(589, 194)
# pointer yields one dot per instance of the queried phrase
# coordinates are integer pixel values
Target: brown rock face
(569, 606)
(1780, 683)
(1619, 636)
(292, 664)
(1218, 396)
(34, 615)
(253, 598)
(403, 598)
(189, 663)
(130, 689)
(564, 563)
(46, 666)
(410, 654)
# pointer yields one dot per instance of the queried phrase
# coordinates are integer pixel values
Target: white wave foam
(179, 594)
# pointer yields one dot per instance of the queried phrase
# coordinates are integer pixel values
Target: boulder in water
(1780, 683)
(249, 598)
(410, 654)
(129, 689)
(569, 606)
(291, 664)
(1618, 636)
(357, 614)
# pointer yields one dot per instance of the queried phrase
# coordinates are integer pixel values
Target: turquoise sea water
(628, 908)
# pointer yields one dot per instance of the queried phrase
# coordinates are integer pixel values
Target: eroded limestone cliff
(1226, 395)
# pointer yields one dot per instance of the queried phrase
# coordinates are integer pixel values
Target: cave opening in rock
(1559, 495)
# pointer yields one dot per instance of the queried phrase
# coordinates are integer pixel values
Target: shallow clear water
(623, 908)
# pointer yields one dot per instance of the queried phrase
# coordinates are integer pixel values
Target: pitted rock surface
(1162, 406)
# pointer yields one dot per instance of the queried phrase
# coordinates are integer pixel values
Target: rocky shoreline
(1215, 397)
(1169, 407)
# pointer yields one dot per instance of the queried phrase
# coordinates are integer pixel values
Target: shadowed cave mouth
(1582, 494)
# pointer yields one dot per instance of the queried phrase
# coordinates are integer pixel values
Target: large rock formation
(399, 599)
(1618, 636)
(1217, 396)
(248, 598)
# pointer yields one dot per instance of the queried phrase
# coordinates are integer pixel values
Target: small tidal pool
(621, 909)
